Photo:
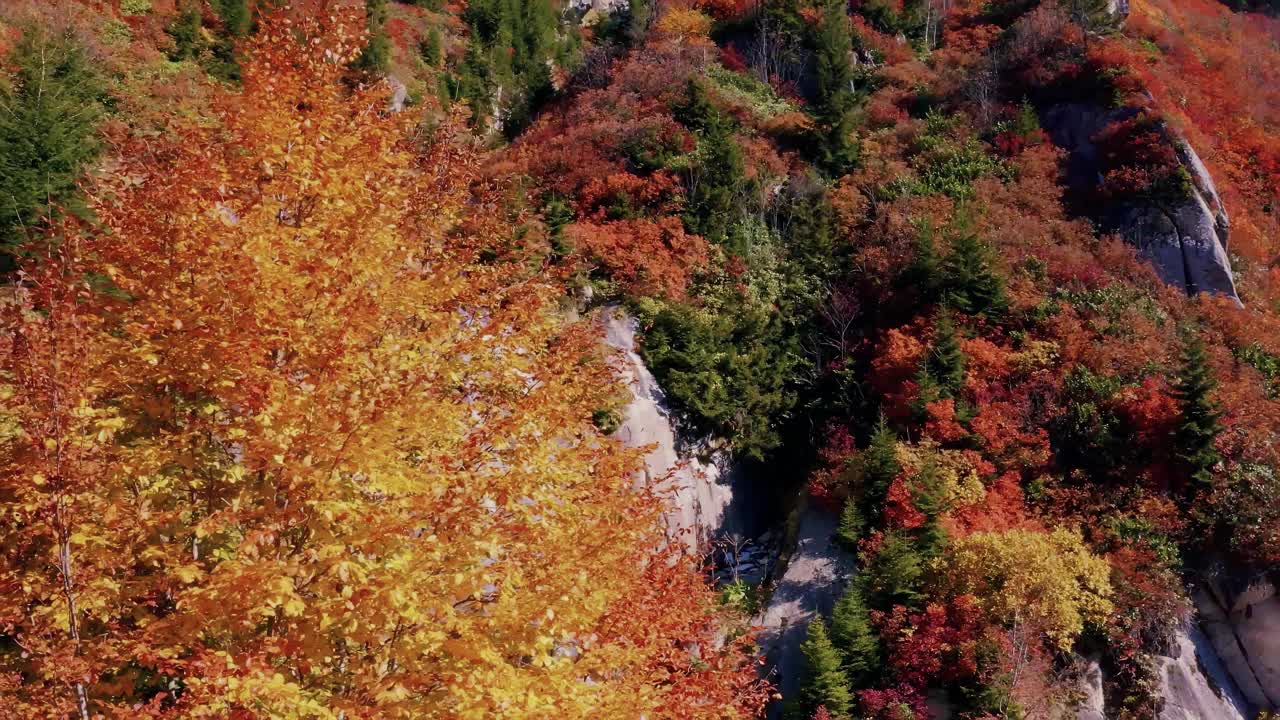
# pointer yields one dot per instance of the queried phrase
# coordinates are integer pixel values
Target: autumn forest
(640, 359)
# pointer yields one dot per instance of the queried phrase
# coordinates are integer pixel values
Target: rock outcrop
(1186, 241)
(1195, 686)
(1243, 627)
(701, 492)
(815, 577)
(1092, 701)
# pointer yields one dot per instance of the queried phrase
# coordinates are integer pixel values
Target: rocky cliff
(1242, 622)
(701, 491)
(1186, 240)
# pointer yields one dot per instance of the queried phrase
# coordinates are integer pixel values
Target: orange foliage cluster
(285, 436)
(1216, 74)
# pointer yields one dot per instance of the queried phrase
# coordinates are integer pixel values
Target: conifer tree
(893, 576)
(880, 467)
(1198, 413)
(48, 115)
(855, 638)
(852, 524)
(945, 361)
(713, 196)
(377, 50)
(971, 285)
(833, 45)
(925, 271)
(927, 496)
(235, 16)
(825, 684)
(432, 48)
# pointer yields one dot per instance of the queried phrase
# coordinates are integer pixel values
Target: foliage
(835, 99)
(854, 637)
(852, 524)
(946, 164)
(970, 285)
(880, 466)
(728, 371)
(376, 52)
(893, 575)
(285, 445)
(946, 361)
(506, 72)
(717, 181)
(1049, 580)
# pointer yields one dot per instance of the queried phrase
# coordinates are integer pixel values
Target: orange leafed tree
(276, 442)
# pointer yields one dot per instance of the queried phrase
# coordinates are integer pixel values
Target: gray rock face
(1092, 701)
(814, 579)
(1243, 627)
(1195, 685)
(1186, 241)
(701, 493)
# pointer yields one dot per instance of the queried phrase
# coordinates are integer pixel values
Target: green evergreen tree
(713, 205)
(855, 638)
(377, 50)
(925, 271)
(835, 98)
(825, 682)
(927, 496)
(639, 17)
(879, 467)
(971, 285)
(893, 577)
(48, 114)
(235, 16)
(1198, 412)
(946, 361)
(185, 31)
(432, 48)
(852, 525)
(927, 390)
(474, 78)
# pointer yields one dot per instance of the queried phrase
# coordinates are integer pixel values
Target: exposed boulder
(1185, 240)
(701, 492)
(1243, 624)
(1092, 698)
(1195, 686)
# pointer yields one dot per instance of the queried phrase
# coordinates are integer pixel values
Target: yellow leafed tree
(276, 442)
(1049, 580)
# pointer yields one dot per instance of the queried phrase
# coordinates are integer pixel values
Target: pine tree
(1198, 413)
(432, 48)
(825, 684)
(971, 285)
(855, 638)
(377, 50)
(927, 496)
(852, 524)
(713, 198)
(48, 114)
(879, 467)
(893, 576)
(185, 31)
(925, 271)
(235, 16)
(945, 361)
(833, 45)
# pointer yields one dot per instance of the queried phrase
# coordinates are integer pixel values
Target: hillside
(688, 359)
